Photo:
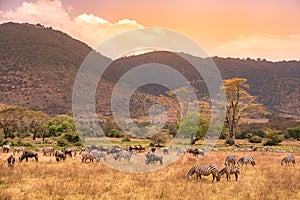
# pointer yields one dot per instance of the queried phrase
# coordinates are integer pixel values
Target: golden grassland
(73, 179)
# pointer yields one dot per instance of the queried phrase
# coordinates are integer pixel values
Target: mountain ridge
(39, 65)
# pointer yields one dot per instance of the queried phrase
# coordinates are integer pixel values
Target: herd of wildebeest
(119, 153)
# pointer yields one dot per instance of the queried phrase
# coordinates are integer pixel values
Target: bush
(274, 137)
(255, 139)
(293, 132)
(114, 133)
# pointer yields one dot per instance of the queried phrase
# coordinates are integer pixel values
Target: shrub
(274, 137)
(114, 133)
(293, 132)
(255, 139)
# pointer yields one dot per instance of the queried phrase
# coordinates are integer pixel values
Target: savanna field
(73, 179)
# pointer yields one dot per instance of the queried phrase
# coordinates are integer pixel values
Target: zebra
(288, 159)
(205, 170)
(49, 150)
(60, 155)
(123, 154)
(153, 158)
(18, 149)
(87, 156)
(98, 155)
(28, 154)
(5, 148)
(11, 161)
(230, 170)
(246, 160)
(230, 160)
(114, 149)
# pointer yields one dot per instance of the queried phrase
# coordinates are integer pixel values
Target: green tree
(294, 132)
(11, 120)
(240, 104)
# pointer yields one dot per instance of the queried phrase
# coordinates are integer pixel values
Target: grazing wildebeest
(124, 154)
(11, 161)
(230, 170)
(28, 154)
(153, 158)
(196, 152)
(49, 150)
(205, 170)
(5, 148)
(68, 151)
(98, 155)
(18, 150)
(87, 156)
(59, 155)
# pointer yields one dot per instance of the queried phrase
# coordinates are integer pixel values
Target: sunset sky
(228, 28)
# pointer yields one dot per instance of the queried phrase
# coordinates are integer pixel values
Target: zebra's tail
(191, 172)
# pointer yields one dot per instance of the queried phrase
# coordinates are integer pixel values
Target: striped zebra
(204, 170)
(288, 159)
(230, 160)
(246, 160)
(230, 170)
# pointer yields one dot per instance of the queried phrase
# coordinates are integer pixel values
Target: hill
(38, 67)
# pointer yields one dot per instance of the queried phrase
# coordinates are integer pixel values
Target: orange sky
(267, 29)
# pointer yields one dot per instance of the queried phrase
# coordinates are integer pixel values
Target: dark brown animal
(28, 154)
(11, 161)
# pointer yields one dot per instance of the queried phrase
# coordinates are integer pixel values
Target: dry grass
(75, 180)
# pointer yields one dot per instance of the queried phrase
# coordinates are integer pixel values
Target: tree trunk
(232, 135)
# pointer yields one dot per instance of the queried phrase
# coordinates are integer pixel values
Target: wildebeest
(153, 158)
(68, 151)
(124, 154)
(11, 161)
(196, 152)
(59, 155)
(28, 154)
(5, 148)
(18, 150)
(48, 150)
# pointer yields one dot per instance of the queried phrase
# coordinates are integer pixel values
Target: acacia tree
(240, 104)
(36, 122)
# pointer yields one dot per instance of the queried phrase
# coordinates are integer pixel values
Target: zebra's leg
(236, 176)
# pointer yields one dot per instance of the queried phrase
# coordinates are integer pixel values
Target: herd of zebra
(118, 153)
(230, 167)
(90, 153)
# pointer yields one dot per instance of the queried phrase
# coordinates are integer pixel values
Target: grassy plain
(73, 179)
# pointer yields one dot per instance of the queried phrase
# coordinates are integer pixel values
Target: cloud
(273, 47)
(86, 27)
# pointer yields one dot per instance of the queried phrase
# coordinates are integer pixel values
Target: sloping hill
(38, 67)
